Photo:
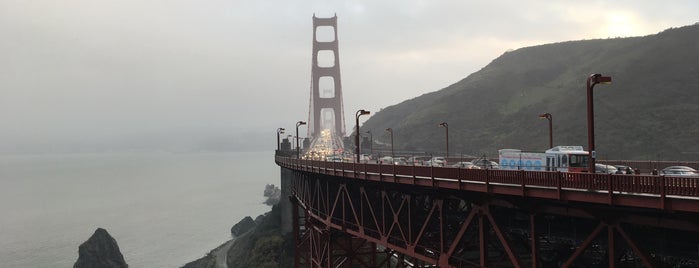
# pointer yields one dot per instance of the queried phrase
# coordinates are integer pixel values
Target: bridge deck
(640, 191)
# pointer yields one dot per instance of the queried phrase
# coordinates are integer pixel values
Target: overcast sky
(138, 72)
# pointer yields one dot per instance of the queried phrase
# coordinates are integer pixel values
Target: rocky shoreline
(255, 243)
(216, 258)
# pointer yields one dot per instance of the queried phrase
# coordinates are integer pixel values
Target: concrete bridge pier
(284, 203)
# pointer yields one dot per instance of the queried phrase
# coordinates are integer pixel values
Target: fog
(86, 75)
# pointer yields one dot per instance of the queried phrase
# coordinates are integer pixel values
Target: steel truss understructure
(341, 222)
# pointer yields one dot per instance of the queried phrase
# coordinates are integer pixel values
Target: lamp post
(298, 148)
(279, 131)
(371, 142)
(550, 118)
(592, 80)
(446, 127)
(356, 137)
(390, 131)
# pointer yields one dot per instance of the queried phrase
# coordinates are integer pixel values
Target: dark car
(621, 169)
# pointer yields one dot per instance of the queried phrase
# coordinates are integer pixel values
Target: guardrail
(649, 191)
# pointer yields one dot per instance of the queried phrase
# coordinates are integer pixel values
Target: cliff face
(243, 226)
(100, 251)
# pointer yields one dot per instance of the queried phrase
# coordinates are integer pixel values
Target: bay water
(164, 209)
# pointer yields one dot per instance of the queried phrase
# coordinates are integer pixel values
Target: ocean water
(163, 209)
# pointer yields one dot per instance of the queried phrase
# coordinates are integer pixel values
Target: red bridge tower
(326, 109)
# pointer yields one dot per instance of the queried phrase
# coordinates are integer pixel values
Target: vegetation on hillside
(650, 111)
(263, 246)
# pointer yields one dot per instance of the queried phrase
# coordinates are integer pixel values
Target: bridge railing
(617, 183)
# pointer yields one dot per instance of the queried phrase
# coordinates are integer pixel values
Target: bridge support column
(284, 202)
(296, 229)
(610, 247)
(482, 239)
(534, 240)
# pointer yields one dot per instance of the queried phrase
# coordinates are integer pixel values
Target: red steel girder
(423, 224)
(394, 226)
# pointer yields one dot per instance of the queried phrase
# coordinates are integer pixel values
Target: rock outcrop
(100, 251)
(273, 194)
(264, 246)
(243, 226)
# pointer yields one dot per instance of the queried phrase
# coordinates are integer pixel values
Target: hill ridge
(650, 111)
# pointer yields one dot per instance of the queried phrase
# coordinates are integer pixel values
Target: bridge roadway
(654, 195)
(658, 192)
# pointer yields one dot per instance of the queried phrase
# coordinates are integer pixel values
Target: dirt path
(220, 254)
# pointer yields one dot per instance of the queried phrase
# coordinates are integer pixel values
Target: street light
(279, 131)
(592, 80)
(390, 131)
(371, 142)
(356, 138)
(550, 118)
(298, 148)
(446, 127)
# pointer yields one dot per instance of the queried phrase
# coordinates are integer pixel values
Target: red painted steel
(643, 191)
(430, 229)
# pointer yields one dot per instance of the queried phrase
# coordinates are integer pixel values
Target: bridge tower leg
(326, 109)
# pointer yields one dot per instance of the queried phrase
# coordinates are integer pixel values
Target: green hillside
(650, 111)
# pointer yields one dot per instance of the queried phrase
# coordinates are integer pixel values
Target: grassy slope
(650, 111)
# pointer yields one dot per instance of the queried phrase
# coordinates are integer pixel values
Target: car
(400, 161)
(466, 165)
(436, 161)
(364, 158)
(680, 171)
(386, 160)
(602, 168)
(333, 158)
(418, 160)
(621, 169)
(484, 163)
(680, 167)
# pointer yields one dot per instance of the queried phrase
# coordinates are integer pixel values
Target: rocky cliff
(262, 246)
(245, 225)
(100, 251)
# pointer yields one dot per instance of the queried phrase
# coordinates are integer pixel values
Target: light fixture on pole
(550, 118)
(356, 137)
(298, 148)
(446, 127)
(279, 131)
(593, 80)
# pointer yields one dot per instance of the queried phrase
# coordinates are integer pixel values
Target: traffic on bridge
(559, 207)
